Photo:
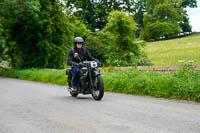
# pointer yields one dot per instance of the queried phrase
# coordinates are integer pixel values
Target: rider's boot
(75, 89)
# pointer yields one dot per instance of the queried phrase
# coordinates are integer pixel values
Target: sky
(194, 15)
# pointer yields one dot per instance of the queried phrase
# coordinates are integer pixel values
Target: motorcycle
(90, 81)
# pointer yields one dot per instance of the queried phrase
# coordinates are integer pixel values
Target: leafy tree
(96, 43)
(139, 11)
(161, 19)
(185, 26)
(189, 3)
(122, 28)
(84, 9)
(79, 29)
(39, 33)
(94, 13)
(160, 29)
(141, 6)
(2, 43)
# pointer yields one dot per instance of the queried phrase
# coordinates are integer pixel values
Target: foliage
(79, 29)
(94, 13)
(185, 25)
(139, 11)
(124, 48)
(122, 28)
(158, 29)
(161, 19)
(2, 44)
(39, 33)
(171, 86)
(97, 45)
(189, 3)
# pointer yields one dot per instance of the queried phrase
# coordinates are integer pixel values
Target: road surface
(32, 107)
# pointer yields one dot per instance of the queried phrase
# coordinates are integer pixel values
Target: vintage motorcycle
(90, 81)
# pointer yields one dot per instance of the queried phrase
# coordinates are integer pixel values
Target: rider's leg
(75, 73)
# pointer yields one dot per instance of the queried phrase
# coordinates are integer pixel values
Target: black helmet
(78, 40)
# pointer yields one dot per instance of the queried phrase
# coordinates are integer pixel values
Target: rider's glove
(80, 64)
(74, 64)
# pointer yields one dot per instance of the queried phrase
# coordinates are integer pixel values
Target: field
(175, 51)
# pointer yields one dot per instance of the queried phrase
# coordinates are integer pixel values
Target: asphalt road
(31, 107)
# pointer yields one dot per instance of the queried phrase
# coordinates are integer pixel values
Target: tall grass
(184, 84)
(175, 51)
(46, 76)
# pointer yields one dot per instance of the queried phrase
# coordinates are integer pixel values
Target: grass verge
(47, 76)
(184, 84)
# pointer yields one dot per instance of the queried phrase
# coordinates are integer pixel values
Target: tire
(74, 94)
(99, 88)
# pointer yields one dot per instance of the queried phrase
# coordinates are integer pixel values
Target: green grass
(184, 84)
(41, 75)
(170, 52)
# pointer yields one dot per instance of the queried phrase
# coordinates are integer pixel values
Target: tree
(161, 19)
(160, 29)
(189, 3)
(97, 44)
(139, 11)
(79, 29)
(185, 26)
(94, 13)
(122, 28)
(39, 33)
(2, 43)
(141, 7)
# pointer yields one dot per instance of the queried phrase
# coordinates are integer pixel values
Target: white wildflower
(190, 61)
(181, 61)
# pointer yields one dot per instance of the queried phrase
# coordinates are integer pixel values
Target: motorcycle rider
(76, 56)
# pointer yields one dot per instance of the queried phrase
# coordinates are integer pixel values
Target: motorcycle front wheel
(98, 90)
(74, 94)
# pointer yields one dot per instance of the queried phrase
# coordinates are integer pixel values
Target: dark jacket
(83, 53)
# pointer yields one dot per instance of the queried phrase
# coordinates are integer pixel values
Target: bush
(159, 30)
(97, 45)
(124, 50)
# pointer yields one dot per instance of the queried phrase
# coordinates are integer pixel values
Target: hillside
(175, 51)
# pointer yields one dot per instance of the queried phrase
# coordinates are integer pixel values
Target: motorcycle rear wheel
(98, 91)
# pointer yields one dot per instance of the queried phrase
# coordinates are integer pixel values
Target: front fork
(95, 74)
(90, 79)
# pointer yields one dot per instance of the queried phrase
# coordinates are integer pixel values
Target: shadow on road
(70, 98)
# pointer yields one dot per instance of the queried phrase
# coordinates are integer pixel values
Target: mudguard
(97, 72)
(68, 71)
